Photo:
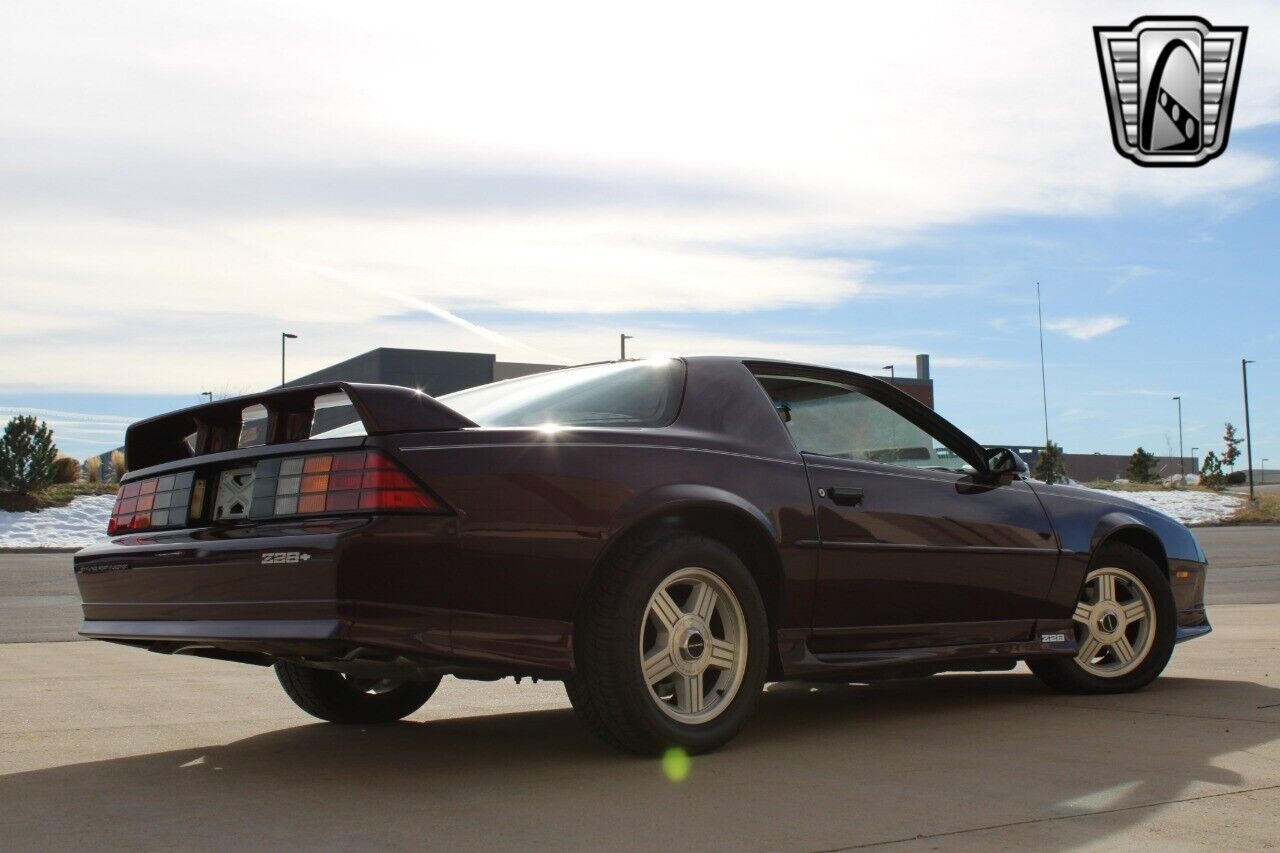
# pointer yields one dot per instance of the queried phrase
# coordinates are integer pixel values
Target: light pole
(1248, 441)
(889, 367)
(622, 342)
(208, 394)
(1182, 465)
(284, 336)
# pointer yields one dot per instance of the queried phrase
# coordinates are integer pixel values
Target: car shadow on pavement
(818, 766)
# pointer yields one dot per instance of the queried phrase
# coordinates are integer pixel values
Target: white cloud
(195, 164)
(1085, 328)
(59, 416)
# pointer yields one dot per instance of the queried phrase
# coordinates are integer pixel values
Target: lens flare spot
(676, 764)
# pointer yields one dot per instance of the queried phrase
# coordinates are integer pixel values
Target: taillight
(151, 503)
(340, 482)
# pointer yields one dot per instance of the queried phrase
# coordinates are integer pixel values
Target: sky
(848, 184)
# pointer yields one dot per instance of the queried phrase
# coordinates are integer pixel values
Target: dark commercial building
(1090, 467)
(435, 372)
(440, 372)
(921, 385)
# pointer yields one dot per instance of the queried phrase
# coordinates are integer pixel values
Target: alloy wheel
(693, 646)
(1115, 623)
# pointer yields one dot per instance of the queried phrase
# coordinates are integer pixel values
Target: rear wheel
(339, 698)
(672, 647)
(1125, 625)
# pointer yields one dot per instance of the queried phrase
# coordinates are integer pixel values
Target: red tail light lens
(341, 482)
(151, 503)
(362, 481)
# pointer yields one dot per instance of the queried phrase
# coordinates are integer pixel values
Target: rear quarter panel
(537, 508)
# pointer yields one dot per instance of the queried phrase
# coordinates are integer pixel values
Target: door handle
(843, 495)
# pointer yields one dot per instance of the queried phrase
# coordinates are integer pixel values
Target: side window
(833, 420)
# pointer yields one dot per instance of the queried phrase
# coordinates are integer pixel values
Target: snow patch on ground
(75, 525)
(84, 520)
(1188, 506)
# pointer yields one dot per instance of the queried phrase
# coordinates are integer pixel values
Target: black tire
(608, 690)
(1068, 676)
(329, 696)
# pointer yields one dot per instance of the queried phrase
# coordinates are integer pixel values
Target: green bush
(27, 455)
(66, 470)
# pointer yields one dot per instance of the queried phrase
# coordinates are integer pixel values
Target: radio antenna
(1044, 391)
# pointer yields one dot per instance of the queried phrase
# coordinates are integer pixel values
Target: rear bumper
(374, 586)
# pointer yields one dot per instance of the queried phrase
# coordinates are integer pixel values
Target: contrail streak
(339, 277)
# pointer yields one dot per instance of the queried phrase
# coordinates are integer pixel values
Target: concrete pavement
(117, 748)
(113, 747)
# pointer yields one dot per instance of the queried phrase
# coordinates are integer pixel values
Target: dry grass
(1109, 486)
(117, 465)
(1265, 511)
(59, 494)
(93, 469)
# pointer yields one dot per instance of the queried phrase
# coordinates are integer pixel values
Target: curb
(41, 550)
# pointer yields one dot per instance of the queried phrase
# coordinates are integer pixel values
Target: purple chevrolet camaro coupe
(664, 536)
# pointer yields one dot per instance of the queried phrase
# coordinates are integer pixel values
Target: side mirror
(1002, 460)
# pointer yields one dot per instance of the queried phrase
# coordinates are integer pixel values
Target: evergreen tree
(1211, 476)
(27, 455)
(1049, 465)
(1141, 468)
(1232, 450)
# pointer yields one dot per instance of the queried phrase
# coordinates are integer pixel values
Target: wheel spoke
(692, 647)
(1084, 612)
(1135, 611)
(723, 653)
(665, 609)
(658, 666)
(1122, 650)
(703, 601)
(689, 694)
(1088, 649)
(1106, 587)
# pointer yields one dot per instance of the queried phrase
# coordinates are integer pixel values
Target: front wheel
(339, 698)
(672, 647)
(1125, 625)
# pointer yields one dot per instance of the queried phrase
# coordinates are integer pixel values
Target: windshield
(620, 394)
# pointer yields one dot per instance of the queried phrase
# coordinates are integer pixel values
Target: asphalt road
(111, 747)
(38, 600)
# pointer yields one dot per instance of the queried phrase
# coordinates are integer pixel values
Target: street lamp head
(287, 335)
(887, 367)
(1176, 398)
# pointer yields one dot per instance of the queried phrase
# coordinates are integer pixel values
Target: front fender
(1086, 519)
(1113, 522)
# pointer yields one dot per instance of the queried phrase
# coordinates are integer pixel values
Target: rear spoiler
(216, 426)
